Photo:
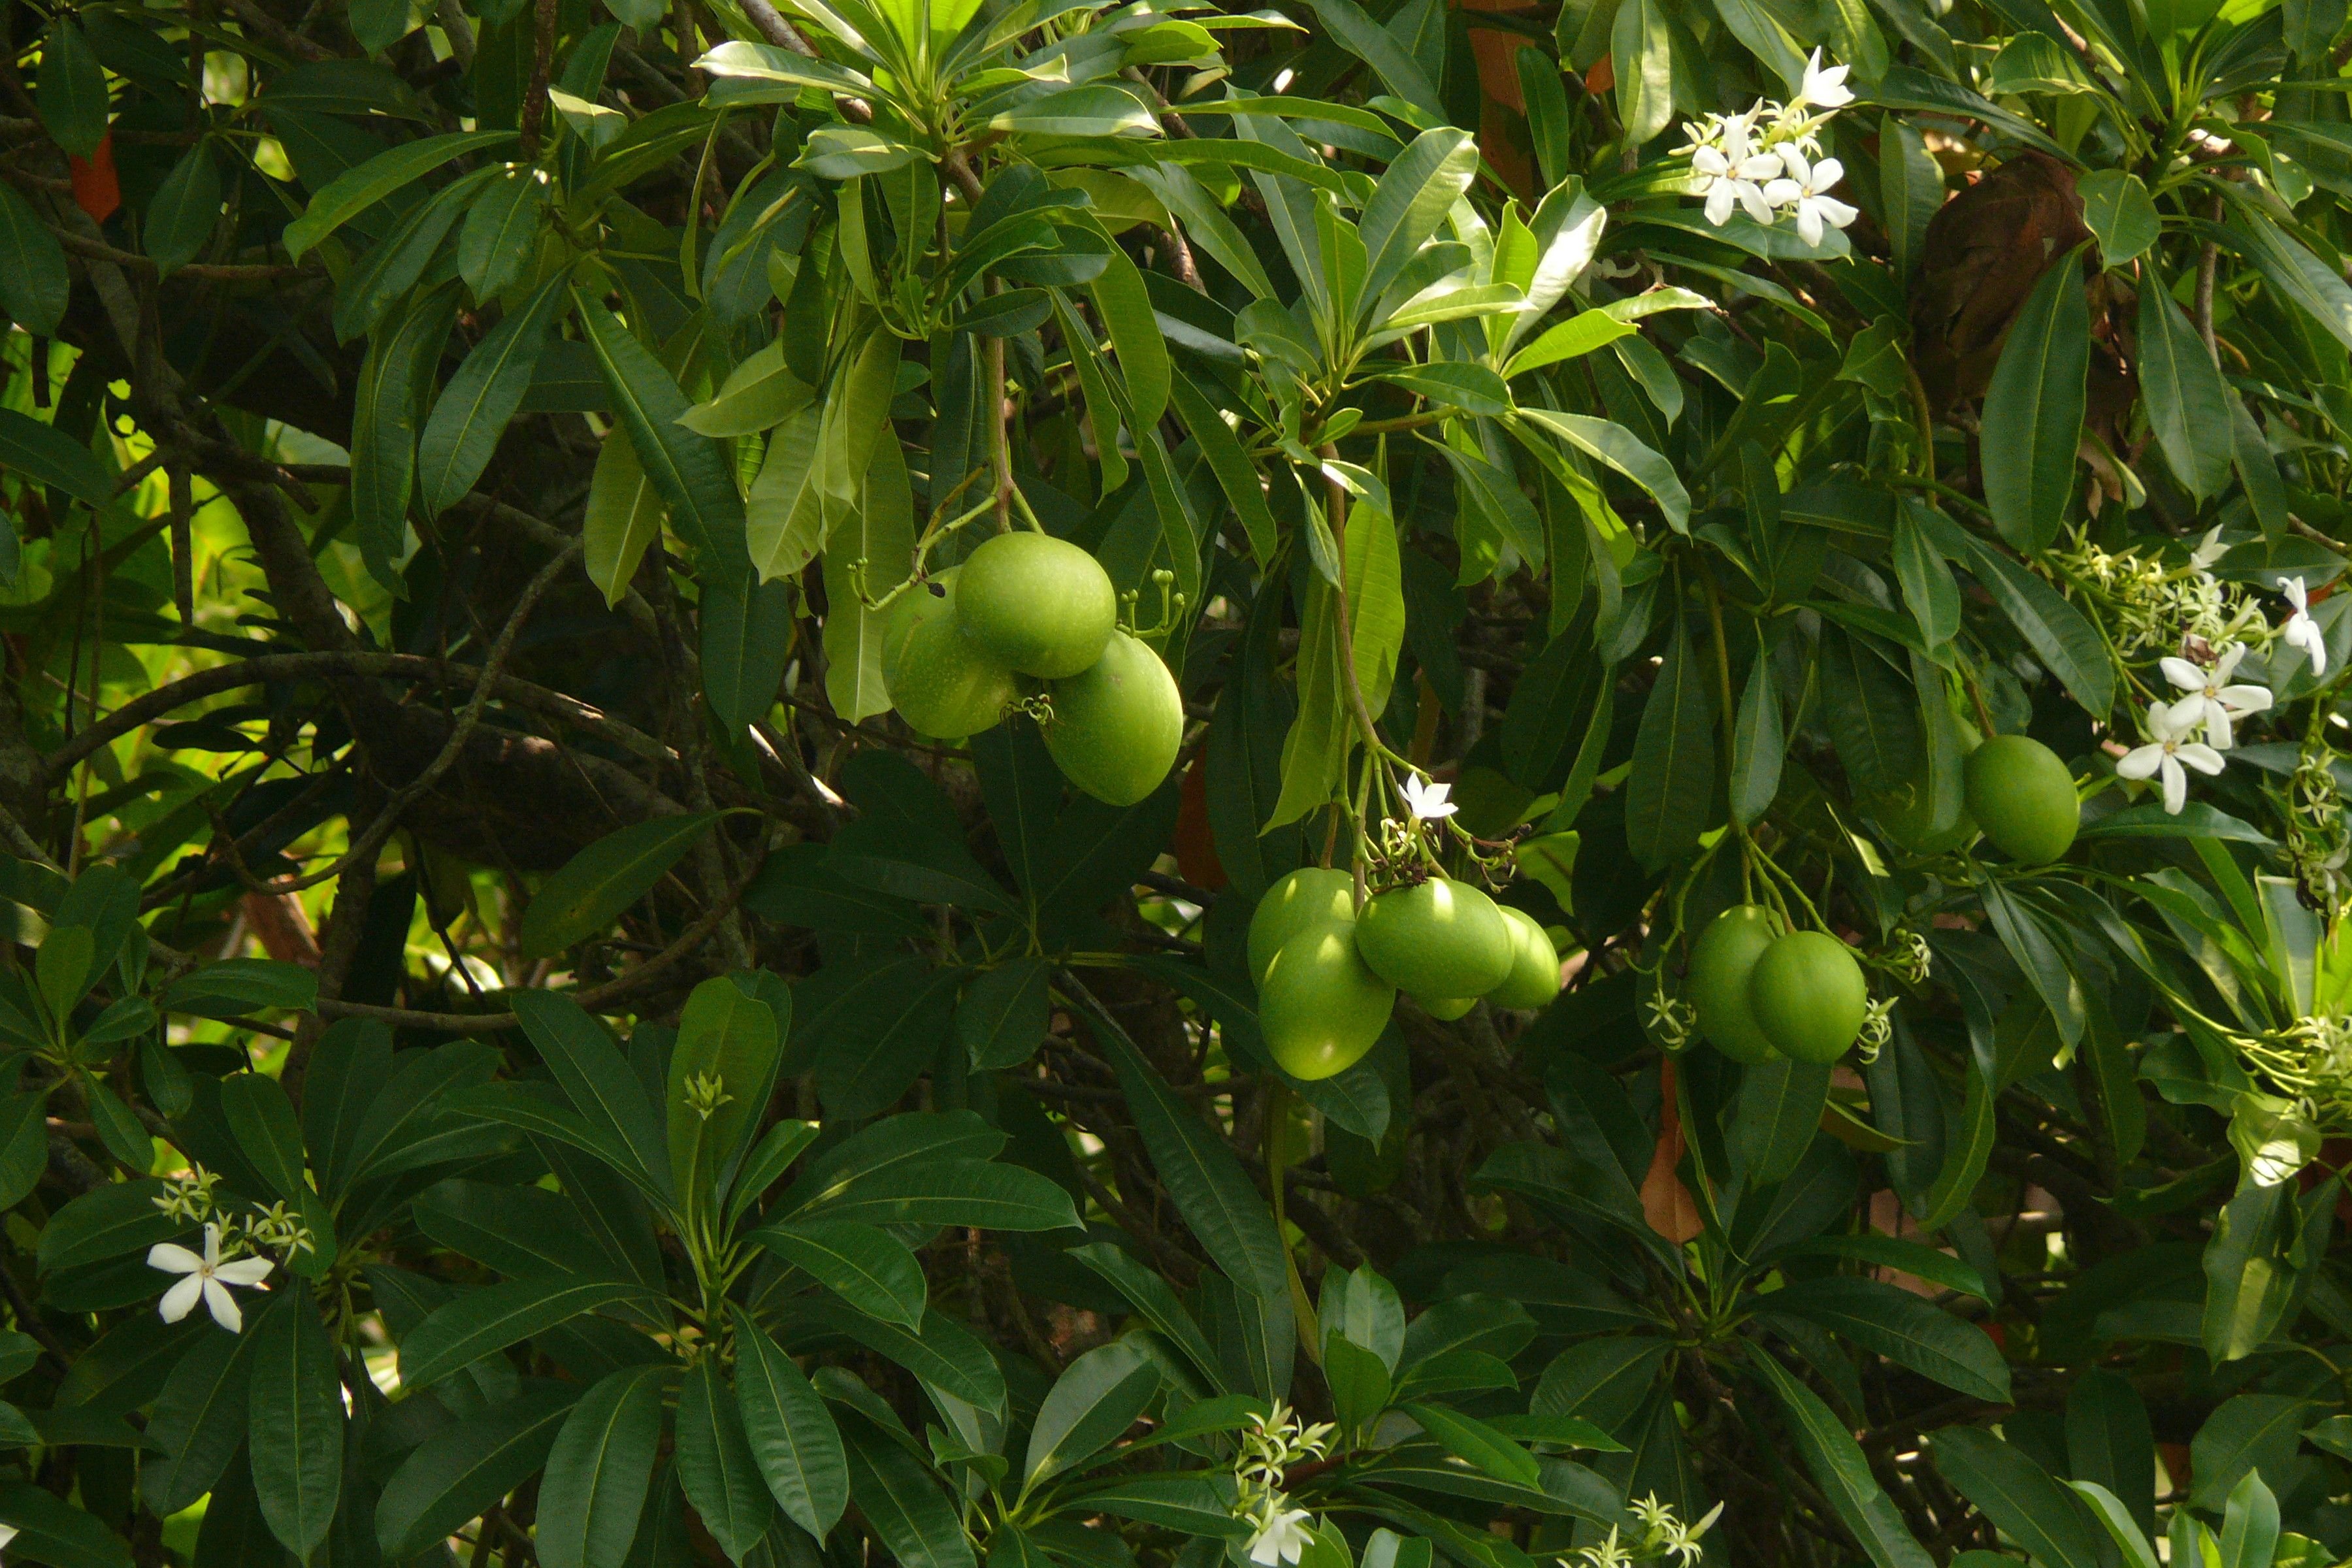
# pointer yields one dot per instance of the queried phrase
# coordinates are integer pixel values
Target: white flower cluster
(205, 1276)
(1279, 1533)
(1664, 1538)
(1767, 160)
(2212, 704)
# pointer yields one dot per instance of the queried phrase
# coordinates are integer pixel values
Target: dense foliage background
(515, 1052)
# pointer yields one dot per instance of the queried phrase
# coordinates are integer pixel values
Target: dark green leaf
(2033, 409)
(2017, 1495)
(600, 1471)
(715, 1464)
(467, 1468)
(1667, 796)
(1837, 1464)
(792, 1436)
(296, 1423)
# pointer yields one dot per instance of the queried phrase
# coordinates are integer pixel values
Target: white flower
(1427, 799)
(7, 1533)
(1283, 1538)
(2301, 630)
(1806, 190)
(2212, 701)
(207, 1277)
(1732, 169)
(2208, 550)
(1825, 88)
(2169, 747)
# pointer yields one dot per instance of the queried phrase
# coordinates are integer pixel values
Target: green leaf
(1617, 447)
(500, 236)
(106, 1223)
(686, 469)
(1414, 196)
(747, 635)
(47, 1529)
(1477, 1444)
(1359, 1380)
(295, 1423)
(1933, 597)
(600, 1470)
(462, 433)
(1096, 1399)
(1837, 1463)
(2292, 270)
(2129, 1536)
(907, 1510)
(1777, 1112)
(1887, 1252)
(942, 1353)
(384, 421)
(48, 456)
(867, 1267)
(72, 93)
(715, 1465)
(2033, 409)
(357, 189)
(2250, 1527)
(731, 1035)
(462, 1470)
(1758, 745)
(2188, 405)
(2118, 211)
(1136, 335)
(2060, 635)
(624, 515)
(482, 1322)
(2018, 1496)
(1365, 38)
(199, 1421)
(1902, 1328)
(1203, 1179)
(1667, 794)
(1871, 711)
(1579, 335)
(792, 1436)
(880, 533)
(2250, 1433)
(186, 210)
(1096, 109)
(1002, 1017)
(1641, 44)
(596, 885)
(34, 286)
(2109, 1441)
(2194, 820)
(1156, 1303)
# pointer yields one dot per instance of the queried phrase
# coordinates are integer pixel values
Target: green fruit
(1809, 996)
(1720, 964)
(1038, 604)
(1534, 979)
(1116, 726)
(1439, 938)
(942, 685)
(1318, 1008)
(1446, 1009)
(2023, 799)
(1307, 896)
(1907, 814)
(931, 599)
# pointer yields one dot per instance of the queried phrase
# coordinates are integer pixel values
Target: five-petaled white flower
(1825, 88)
(2212, 701)
(207, 1277)
(2301, 630)
(1733, 171)
(1426, 798)
(2168, 749)
(1283, 1538)
(1806, 189)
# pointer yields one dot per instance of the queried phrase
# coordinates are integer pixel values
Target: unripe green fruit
(940, 682)
(1446, 1009)
(1318, 1008)
(1309, 895)
(1116, 725)
(930, 600)
(1721, 963)
(1809, 996)
(1534, 979)
(1037, 604)
(1439, 938)
(2023, 799)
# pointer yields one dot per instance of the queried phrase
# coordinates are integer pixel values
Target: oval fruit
(1447, 1009)
(1721, 963)
(1116, 726)
(1319, 1008)
(945, 687)
(1037, 604)
(930, 600)
(1439, 938)
(1534, 979)
(2023, 799)
(1809, 996)
(1309, 895)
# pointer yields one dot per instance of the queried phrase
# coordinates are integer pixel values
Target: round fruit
(944, 686)
(1534, 979)
(1906, 813)
(2023, 799)
(1720, 964)
(1116, 726)
(1439, 938)
(1447, 1009)
(1809, 996)
(1318, 1007)
(1038, 604)
(1309, 895)
(930, 600)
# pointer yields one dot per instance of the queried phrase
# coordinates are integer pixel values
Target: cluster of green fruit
(1030, 614)
(1327, 974)
(1760, 992)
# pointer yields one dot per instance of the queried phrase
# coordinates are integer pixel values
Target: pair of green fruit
(1327, 974)
(1761, 995)
(2016, 792)
(956, 648)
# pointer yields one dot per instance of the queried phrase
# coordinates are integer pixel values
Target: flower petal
(181, 1298)
(2139, 763)
(2182, 673)
(2244, 698)
(2175, 786)
(244, 1271)
(2201, 757)
(223, 1306)
(173, 1258)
